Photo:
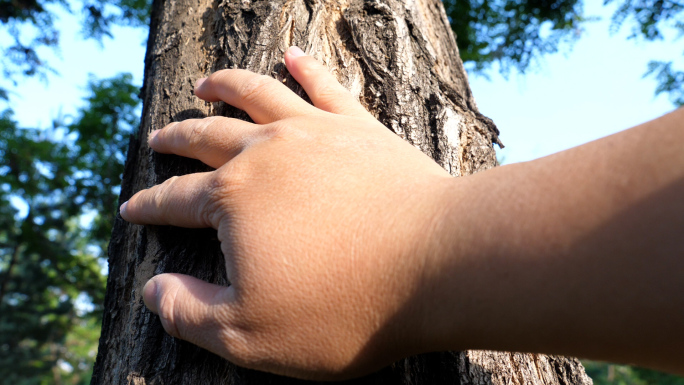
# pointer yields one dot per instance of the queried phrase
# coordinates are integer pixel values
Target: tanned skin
(350, 249)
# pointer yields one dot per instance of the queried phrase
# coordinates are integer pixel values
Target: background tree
(51, 281)
(31, 26)
(515, 33)
(58, 192)
(512, 34)
(504, 35)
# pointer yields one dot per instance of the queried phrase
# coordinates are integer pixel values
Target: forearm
(580, 253)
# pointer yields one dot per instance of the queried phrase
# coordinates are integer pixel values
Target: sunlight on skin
(384, 255)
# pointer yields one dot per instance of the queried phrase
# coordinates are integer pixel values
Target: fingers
(262, 97)
(183, 201)
(192, 310)
(322, 87)
(267, 100)
(214, 140)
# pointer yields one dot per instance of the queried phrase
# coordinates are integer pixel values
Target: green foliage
(611, 374)
(650, 18)
(516, 33)
(59, 187)
(102, 130)
(670, 81)
(20, 55)
(512, 33)
(31, 26)
(101, 15)
(51, 280)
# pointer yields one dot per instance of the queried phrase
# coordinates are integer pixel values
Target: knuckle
(239, 172)
(210, 212)
(218, 183)
(222, 188)
(295, 128)
(240, 353)
(230, 179)
(161, 192)
(329, 95)
(195, 136)
(247, 356)
(166, 309)
(314, 67)
(199, 135)
(255, 87)
(166, 185)
(246, 349)
(276, 130)
(218, 76)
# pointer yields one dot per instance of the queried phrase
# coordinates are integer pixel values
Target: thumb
(189, 308)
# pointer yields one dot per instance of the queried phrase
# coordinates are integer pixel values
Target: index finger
(262, 97)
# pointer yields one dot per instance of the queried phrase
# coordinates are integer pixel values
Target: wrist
(469, 287)
(446, 248)
(442, 296)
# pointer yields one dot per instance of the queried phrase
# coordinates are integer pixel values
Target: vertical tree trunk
(399, 57)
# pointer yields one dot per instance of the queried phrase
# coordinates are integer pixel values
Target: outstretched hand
(347, 248)
(319, 210)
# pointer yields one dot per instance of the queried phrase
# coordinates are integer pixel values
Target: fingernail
(152, 135)
(199, 82)
(150, 295)
(296, 51)
(122, 209)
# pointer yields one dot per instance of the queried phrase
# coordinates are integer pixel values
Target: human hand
(322, 214)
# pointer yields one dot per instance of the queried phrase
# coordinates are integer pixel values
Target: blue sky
(585, 92)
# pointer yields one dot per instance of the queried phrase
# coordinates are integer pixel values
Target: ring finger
(214, 140)
(183, 201)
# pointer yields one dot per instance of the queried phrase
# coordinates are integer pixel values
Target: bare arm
(579, 253)
(347, 248)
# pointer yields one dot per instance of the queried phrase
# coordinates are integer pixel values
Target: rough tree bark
(399, 57)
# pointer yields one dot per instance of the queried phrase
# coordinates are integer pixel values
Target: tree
(511, 33)
(400, 58)
(51, 282)
(30, 26)
(612, 374)
(515, 33)
(59, 187)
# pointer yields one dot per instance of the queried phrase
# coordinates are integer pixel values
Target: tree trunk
(399, 57)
